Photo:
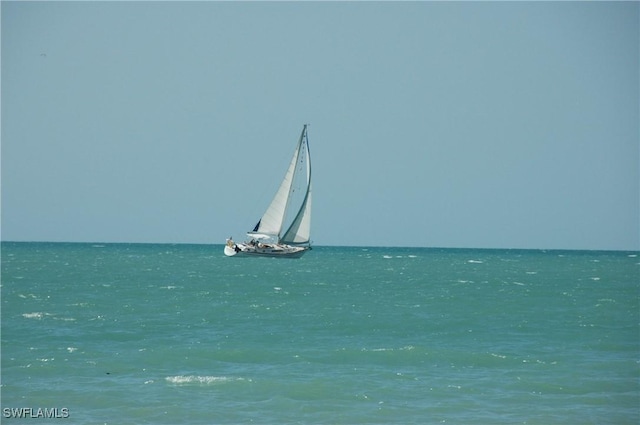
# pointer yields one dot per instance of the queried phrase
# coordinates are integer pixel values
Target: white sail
(272, 219)
(299, 231)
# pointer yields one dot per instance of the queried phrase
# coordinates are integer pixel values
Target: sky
(434, 124)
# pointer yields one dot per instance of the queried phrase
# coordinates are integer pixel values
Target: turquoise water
(173, 334)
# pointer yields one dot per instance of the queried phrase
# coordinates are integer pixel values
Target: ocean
(181, 334)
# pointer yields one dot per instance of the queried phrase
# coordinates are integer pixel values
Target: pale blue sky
(499, 125)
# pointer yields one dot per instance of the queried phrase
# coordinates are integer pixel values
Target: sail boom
(260, 236)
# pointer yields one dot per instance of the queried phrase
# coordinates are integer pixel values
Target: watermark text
(35, 412)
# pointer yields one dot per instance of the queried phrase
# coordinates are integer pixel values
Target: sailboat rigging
(270, 237)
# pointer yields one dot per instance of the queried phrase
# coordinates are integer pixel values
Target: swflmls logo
(35, 413)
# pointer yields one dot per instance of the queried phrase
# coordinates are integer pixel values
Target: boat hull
(274, 251)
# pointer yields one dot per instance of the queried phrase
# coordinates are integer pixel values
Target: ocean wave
(40, 315)
(405, 348)
(202, 380)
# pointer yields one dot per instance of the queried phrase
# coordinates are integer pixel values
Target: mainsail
(272, 221)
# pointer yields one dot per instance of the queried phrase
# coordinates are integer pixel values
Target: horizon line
(330, 246)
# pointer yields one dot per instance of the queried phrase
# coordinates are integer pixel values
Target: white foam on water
(203, 380)
(65, 319)
(405, 348)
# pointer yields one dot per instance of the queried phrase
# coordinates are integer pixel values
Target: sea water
(181, 334)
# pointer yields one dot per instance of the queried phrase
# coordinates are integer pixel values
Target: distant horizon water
(221, 244)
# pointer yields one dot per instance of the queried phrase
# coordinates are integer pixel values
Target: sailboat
(291, 205)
